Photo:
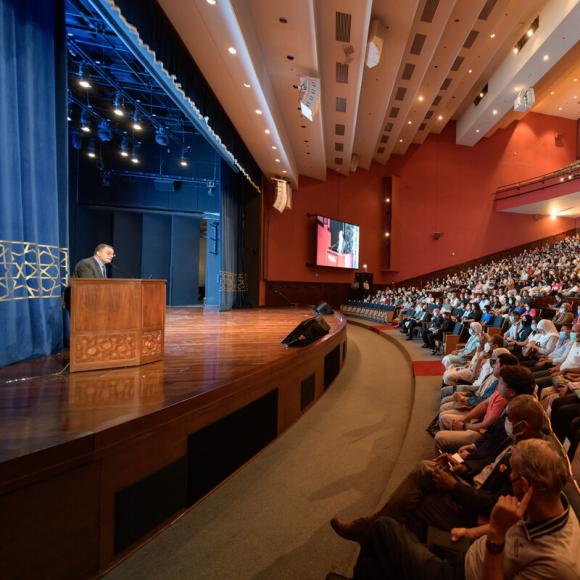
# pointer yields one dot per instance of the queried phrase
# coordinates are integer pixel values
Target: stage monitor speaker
(307, 332)
(323, 308)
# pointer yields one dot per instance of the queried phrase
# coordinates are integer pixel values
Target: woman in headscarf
(543, 341)
(460, 357)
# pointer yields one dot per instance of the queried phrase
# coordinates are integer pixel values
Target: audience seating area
(509, 335)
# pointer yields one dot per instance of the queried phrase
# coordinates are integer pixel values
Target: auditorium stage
(159, 435)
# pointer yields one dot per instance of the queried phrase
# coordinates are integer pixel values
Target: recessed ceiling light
(277, 160)
(575, 97)
(258, 111)
(212, 2)
(421, 98)
(492, 35)
(232, 50)
(551, 92)
(400, 140)
(247, 85)
(561, 179)
(575, 80)
(481, 95)
(284, 171)
(274, 147)
(440, 117)
(469, 71)
(559, 108)
(267, 131)
(516, 50)
(85, 84)
(477, 130)
(409, 122)
(530, 32)
(546, 57)
(494, 111)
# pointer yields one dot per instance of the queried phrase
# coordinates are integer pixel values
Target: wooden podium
(116, 322)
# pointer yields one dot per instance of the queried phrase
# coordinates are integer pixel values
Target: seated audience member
(514, 380)
(464, 401)
(469, 370)
(492, 343)
(564, 315)
(436, 337)
(570, 368)
(433, 495)
(511, 334)
(532, 534)
(543, 342)
(557, 356)
(488, 316)
(460, 357)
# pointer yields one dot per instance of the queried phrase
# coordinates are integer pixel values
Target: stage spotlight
(125, 146)
(76, 139)
(118, 105)
(183, 162)
(136, 123)
(161, 137)
(91, 149)
(85, 122)
(105, 131)
(82, 81)
(134, 153)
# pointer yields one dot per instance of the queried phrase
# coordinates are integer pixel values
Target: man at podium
(95, 266)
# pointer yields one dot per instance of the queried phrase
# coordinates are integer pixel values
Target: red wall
(441, 187)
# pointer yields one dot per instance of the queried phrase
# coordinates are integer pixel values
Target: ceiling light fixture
(551, 92)
(91, 149)
(125, 146)
(118, 105)
(274, 147)
(258, 111)
(469, 71)
(545, 57)
(284, 171)
(83, 82)
(277, 160)
(409, 122)
(477, 130)
(400, 140)
(494, 111)
(267, 131)
(232, 50)
(211, 2)
(85, 122)
(247, 85)
(136, 124)
(440, 117)
(421, 98)
(492, 35)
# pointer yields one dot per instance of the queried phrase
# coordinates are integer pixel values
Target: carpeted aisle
(270, 520)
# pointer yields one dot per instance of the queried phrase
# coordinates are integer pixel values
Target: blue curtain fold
(33, 178)
(233, 279)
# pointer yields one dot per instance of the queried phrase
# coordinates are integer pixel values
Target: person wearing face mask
(557, 356)
(511, 334)
(433, 495)
(543, 342)
(514, 380)
(459, 357)
(564, 315)
(462, 402)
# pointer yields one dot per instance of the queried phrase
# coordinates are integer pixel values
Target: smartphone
(457, 458)
(441, 539)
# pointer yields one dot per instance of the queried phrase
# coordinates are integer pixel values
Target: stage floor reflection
(205, 350)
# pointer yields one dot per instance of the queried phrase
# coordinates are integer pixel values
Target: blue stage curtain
(33, 178)
(233, 280)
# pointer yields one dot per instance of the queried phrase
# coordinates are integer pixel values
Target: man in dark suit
(95, 266)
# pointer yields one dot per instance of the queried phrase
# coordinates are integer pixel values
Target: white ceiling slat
(378, 83)
(332, 51)
(556, 35)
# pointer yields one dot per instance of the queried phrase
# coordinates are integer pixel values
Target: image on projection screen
(336, 243)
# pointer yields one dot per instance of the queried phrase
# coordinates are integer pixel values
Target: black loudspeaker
(307, 331)
(323, 308)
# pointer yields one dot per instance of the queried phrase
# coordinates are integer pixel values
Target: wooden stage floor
(204, 350)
